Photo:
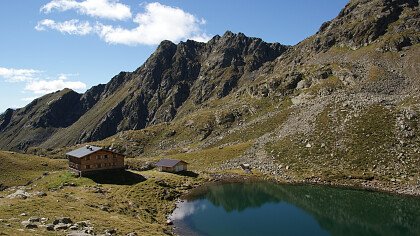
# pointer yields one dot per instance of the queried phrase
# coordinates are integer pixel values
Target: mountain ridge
(178, 79)
(171, 71)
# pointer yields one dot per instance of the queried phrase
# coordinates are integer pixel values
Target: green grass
(200, 160)
(19, 169)
(140, 206)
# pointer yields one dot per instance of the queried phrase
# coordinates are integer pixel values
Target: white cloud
(18, 75)
(157, 23)
(65, 76)
(38, 83)
(107, 9)
(48, 86)
(71, 27)
(185, 209)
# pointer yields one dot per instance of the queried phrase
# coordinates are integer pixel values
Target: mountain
(174, 75)
(346, 98)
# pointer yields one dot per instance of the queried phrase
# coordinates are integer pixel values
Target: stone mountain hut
(90, 159)
(170, 165)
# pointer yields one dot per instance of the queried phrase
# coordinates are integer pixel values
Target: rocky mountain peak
(362, 22)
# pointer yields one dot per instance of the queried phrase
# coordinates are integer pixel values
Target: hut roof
(169, 162)
(83, 151)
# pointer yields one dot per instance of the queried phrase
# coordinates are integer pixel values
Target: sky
(48, 45)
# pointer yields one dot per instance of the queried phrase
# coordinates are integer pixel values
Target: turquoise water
(272, 209)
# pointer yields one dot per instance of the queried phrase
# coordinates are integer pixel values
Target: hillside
(21, 169)
(339, 107)
(41, 191)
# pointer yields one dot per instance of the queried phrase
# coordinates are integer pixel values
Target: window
(114, 155)
(87, 158)
(98, 157)
(106, 156)
(87, 166)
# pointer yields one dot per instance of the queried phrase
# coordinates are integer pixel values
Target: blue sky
(46, 45)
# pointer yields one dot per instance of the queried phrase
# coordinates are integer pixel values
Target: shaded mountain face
(173, 76)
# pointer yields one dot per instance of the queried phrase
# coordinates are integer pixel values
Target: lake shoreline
(355, 184)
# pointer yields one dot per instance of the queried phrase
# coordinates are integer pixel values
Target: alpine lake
(264, 208)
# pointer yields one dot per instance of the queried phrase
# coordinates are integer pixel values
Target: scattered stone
(29, 225)
(22, 194)
(63, 220)
(39, 194)
(104, 208)
(308, 145)
(74, 227)
(89, 230)
(61, 226)
(49, 227)
(78, 233)
(82, 224)
(34, 219)
(23, 214)
(132, 234)
(43, 219)
(110, 232)
(169, 222)
(287, 167)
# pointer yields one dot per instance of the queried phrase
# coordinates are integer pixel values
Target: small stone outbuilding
(171, 165)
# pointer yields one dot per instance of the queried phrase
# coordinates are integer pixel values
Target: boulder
(34, 219)
(63, 220)
(61, 226)
(29, 225)
(82, 224)
(39, 194)
(74, 227)
(49, 227)
(22, 194)
(110, 232)
(78, 233)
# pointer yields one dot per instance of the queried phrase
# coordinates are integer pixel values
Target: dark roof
(169, 162)
(84, 151)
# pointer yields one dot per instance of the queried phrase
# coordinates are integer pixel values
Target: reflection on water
(271, 209)
(186, 209)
